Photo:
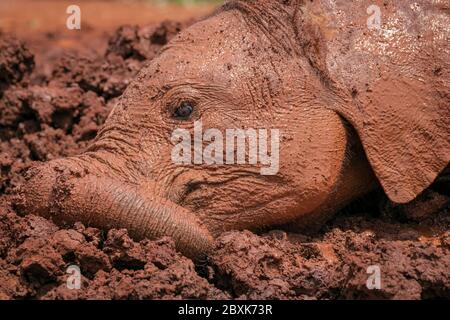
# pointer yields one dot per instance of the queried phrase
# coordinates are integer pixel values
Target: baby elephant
(337, 97)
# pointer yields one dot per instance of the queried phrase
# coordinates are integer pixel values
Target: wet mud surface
(53, 103)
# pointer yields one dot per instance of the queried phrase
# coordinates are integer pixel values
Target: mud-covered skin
(228, 95)
(268, 64)
(394, 82)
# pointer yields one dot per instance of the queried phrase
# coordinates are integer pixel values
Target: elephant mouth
(191, 184)
(187, 191)
(184, 185)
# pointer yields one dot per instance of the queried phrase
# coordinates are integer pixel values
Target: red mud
(53, 111)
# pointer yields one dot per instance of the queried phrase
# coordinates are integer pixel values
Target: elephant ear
(393, 83)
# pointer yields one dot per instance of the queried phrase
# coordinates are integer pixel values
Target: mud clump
(107, 76)
(16, 61)
(334, 265)
(54, 114)
(143, 43)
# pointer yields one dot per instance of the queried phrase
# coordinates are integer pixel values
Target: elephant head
(305, 77)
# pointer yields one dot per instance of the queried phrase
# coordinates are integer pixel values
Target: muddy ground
(53, 100)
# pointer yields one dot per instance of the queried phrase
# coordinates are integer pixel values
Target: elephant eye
(184, 110)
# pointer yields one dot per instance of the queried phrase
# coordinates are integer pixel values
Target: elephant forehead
(217, 49)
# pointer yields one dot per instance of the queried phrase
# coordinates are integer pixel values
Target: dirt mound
(335, 264)
(57, 113)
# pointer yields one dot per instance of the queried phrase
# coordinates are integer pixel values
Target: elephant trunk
(66, 191)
